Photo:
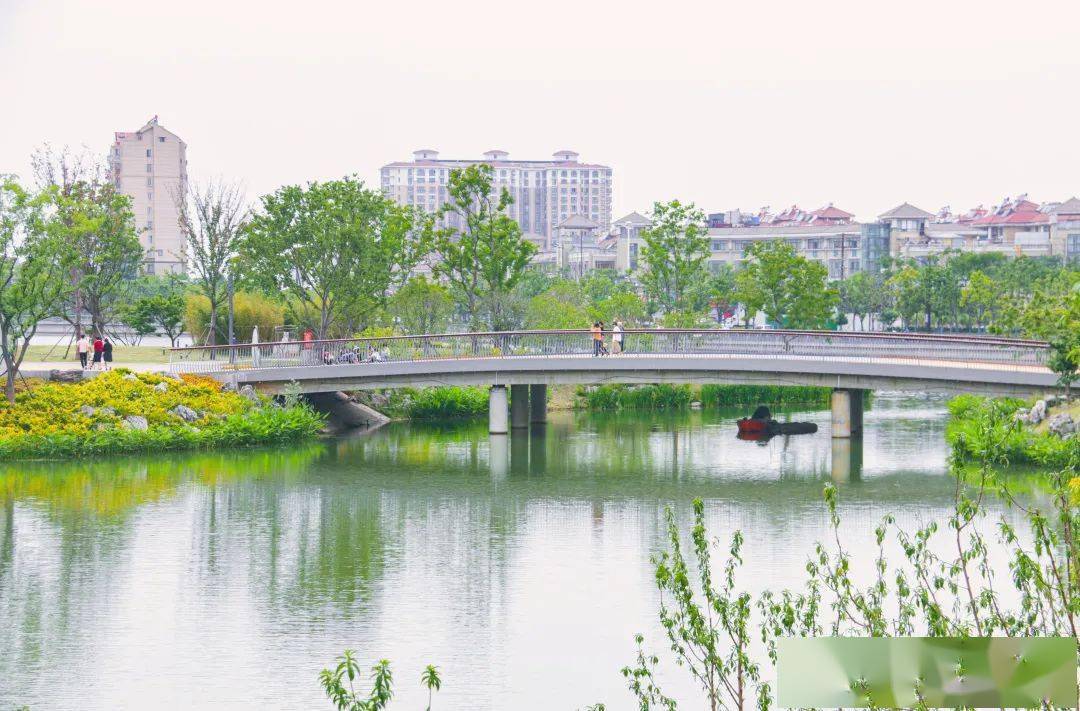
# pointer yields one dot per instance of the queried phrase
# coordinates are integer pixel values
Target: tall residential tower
(545, 192)
(150, 167)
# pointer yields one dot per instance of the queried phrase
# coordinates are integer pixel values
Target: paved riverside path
(41, 369)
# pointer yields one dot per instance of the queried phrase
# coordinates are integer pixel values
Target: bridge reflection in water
(527, 361)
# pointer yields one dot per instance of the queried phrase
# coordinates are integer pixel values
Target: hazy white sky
(729, 104)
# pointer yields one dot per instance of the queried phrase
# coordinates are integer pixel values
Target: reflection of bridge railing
(824, 345)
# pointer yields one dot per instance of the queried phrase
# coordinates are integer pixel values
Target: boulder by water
(136, 422)
(185, 413)
(1061, 424)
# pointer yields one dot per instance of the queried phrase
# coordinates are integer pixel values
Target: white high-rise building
(150, 167)
(545, 192)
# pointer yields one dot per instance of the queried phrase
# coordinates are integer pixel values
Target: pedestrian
(106, 351)
(603, 347)
(597, 338)
(99, 349)
(616, 337)
(82, 346)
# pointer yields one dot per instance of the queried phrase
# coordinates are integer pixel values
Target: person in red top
(99, 348)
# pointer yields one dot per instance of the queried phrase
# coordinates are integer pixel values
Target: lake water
(520, 566)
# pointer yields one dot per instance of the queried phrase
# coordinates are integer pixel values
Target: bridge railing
(538, 344)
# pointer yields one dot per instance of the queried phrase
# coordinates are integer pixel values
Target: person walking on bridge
(597, 338)
(616, 337)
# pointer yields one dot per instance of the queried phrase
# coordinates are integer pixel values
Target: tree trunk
(9, 384)
(211, 336)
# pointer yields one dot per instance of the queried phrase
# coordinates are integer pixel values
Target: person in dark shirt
(106, 351)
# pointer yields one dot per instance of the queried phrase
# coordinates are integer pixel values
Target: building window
(161, 139)
(149, 182)
(147, 152)
(149, 167)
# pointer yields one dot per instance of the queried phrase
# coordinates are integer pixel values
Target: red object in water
(748, 425)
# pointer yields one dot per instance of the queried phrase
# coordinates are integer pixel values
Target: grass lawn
(121, 354)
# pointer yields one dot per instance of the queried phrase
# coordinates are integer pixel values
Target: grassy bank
(120, 412)
(667, 397)
(978, 425)
(463, 402)
(121, 354)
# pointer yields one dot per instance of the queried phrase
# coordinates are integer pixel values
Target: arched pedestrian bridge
(846, 362)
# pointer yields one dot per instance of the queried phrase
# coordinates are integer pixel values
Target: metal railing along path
(817, 345)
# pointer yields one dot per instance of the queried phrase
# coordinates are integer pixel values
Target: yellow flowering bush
(89, 416)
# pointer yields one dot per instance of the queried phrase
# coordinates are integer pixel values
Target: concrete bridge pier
(847, 459)
(497, 414)
(847, 413)
(519, 407)
(538, 404)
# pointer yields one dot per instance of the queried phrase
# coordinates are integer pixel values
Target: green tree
(422, 306)
(980, 297)
(337, 247)
(552, 310)
(156, 313)
(928, 292)
(481, 251)
(789, 289)
(720, 290)
(431, 681)
(339, 684)
(674, 253)
(624, 306)
(36, 256)
(100, 230)
(212, 221)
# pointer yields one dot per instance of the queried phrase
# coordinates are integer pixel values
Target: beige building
(1065, 230)
(1016, 227)
(150, 166)
(627, 233)
(546, 192)
(842, 248)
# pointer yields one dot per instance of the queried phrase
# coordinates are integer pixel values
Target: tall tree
(792, 291)
(35, 256)
(480, 252)
(422, 306)
(101, 228)
(929, 292)
(212, 220)
(674, 254)
(336, 248)
(980, 298)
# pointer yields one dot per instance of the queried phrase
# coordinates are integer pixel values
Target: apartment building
(1015, 227)
(546, 193)
(827, 235)
(150, 167)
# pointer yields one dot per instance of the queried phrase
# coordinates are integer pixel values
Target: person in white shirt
(82, 346)
(616, 337)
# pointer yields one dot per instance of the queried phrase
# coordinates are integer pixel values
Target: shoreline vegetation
(122, 412)
(1011, 433)
(452, 402)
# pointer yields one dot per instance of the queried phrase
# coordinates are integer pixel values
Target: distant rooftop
(906, 211)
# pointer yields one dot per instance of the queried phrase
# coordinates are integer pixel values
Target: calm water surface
(229, 580)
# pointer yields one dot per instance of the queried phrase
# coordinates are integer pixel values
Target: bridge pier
(847, 413)
(497, 419)
(519, 407)
(538, 404)
(847, 459)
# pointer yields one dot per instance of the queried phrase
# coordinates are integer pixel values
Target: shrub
(249, 310)
(447, 402)
(636, 397)
(49, 420)
(725, 395)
